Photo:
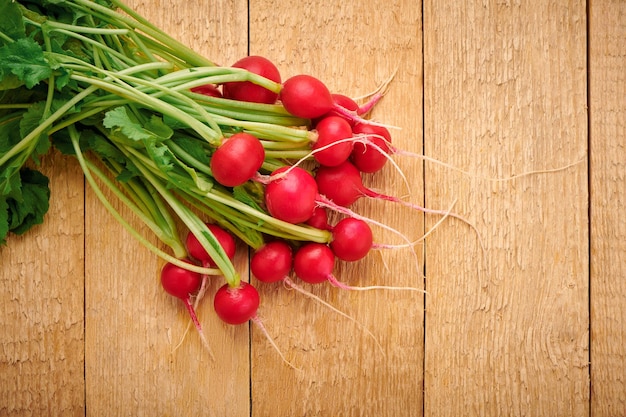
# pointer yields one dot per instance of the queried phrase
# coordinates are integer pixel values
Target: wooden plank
(353, 47)
(607, 112)
(41, 305)
(133, 365)
(505, 93)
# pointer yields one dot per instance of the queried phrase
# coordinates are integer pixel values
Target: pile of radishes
(344, 146)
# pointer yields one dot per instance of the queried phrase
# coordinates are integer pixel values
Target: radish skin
(248, 91)
(236, 305)
(291, 196)
(305, 96)
(237, 159)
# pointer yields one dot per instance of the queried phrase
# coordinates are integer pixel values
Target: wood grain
(607, 112)
(493, 88)
(41, 305)
(505, 93)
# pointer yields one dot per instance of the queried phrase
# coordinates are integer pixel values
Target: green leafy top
(25, 202)
(113, 90)
(22, 63)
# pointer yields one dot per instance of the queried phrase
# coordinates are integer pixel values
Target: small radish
(331, 130)
(239, 305)
(306, 96)
(179, 282)
(314, 262)
(271, 262)
(342, 183)
(352, 239)
(207, 90)
(319, 219)
(248, 91)
(197, 251)
(182, 283)
(291, 196)
(236, 305)
(367, 158)
(237, 159)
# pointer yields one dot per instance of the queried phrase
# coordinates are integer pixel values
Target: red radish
(236, 305)
(319, 219)
(182, 283)
(291, 196)
(369, 158)
(314, 262)
(207, 90)
(178, 281)
(331, 130)
(342, 183)
(226, 240)
(248, 91)
(271, 262)
(239, 305)
(237, 159)
(352, 239)
(306, 96)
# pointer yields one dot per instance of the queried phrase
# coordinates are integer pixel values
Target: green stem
(288, 154)
(161, 228)
(196, 226)
(136, 21)
(69, 29)
(99, 46)
(100, 195)
(132, 94)
(186, 157)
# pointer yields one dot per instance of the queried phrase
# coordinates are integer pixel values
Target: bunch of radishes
(229, 152)
(344, 145)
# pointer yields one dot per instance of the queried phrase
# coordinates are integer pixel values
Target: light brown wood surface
(607, 128)
(505, 94)
(525, 315)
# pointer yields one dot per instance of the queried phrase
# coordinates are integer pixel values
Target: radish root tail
(301, 290)
(257, 321)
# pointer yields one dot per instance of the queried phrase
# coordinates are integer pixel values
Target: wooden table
(533, 325)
